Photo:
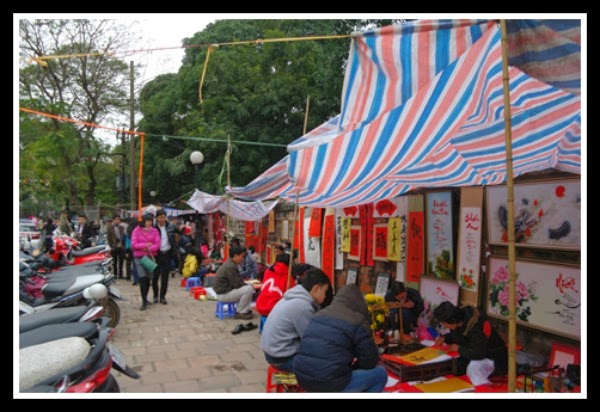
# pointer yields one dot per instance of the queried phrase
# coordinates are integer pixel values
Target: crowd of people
(325, 340)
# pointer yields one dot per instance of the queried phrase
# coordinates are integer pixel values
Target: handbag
(148, 262)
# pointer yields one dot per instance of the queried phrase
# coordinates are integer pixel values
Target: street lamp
(196, 157)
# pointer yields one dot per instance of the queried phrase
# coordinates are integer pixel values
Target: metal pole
(197, 219)
(510, 203)
(131, 140)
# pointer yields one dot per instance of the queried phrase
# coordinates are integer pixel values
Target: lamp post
(196, 157)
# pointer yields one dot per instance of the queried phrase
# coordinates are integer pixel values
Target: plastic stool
(225, 310)
(183, 282)
(192, 282)
(263, 319)
(281, 381)
(193, 289)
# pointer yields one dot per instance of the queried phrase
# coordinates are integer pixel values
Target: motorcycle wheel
(111, 311)
(110, 385)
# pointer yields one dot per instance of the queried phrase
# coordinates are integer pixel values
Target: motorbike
(89, 313)
(70, 358)
(68, 251)
(69, 290)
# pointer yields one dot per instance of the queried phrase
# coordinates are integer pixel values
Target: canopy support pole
(291, 264)
(510, 200)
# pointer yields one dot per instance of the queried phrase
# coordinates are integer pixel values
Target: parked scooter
(71, 291)
(70, 358)
(89, 313)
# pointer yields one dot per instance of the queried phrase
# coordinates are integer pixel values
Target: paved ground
(182, 347)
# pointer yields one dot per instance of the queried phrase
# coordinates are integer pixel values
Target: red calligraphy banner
(328, 252)
(314, 230)
(366, 222)
(381, 241)
(350, 211)
(298, 235)
(219, 226)
(415, 239)
(385, 208)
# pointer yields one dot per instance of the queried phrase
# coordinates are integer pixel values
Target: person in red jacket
(274, 284)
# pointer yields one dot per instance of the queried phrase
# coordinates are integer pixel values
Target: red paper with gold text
(414, 253)
(328, 252)
(314, 230)
(298, 235)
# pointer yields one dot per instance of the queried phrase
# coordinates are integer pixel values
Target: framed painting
(440, 260)
(548, 295)
(563, 355)
(380, 241)
(435, 291)
(547, 215)
(355, 243)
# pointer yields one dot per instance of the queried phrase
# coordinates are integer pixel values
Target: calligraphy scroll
(380, 241)
(339, 254)
(435, 291)
(328, 244)
(346, 225)
(312, 247)
(415, 238)
(366, 222)
(355, 243)
(299, 235)
(440, 262)
(469, 247)
(314, 229)
(272, 221)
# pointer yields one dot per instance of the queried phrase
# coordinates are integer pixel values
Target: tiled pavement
(182, 347)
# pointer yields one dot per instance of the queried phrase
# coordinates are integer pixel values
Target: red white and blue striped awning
(423, 107)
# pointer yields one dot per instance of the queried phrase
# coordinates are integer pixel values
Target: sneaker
(239, 315)
(155, 300)
(144, 306)
(163, 301)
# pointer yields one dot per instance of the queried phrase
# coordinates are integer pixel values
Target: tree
(90, 87)
(254, 93)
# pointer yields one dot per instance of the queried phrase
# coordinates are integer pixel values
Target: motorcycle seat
(57, 287)
(89, 250)
(52, 316)
(51, 332)
(40, 362)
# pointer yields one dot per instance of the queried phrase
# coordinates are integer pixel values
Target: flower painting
(547, 294)
(525, 294)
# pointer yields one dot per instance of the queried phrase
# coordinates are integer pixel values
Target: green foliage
(250, 93)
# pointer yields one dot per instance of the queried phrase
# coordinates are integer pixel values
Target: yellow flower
(380, 318)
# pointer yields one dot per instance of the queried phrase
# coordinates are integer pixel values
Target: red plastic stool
(195, 288)
(183, 282)
(281, 381)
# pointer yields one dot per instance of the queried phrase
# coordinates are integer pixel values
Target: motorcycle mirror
(96, 291)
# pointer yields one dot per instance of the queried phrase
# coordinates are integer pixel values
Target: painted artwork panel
(440, 260)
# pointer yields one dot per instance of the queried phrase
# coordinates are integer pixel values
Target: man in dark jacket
(168, 246)
(412, 306)
(482, 350)
(85, 232)
(337, 352)
(229, 284)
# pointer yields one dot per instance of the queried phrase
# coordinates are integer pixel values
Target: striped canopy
(423, 107)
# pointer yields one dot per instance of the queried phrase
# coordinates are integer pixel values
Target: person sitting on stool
(412, 306)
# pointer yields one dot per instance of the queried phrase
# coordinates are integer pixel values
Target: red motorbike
(67, 251)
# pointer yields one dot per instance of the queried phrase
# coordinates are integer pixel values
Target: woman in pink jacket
(145, 241)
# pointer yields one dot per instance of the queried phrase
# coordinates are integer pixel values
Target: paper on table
(425, 355)
(445, 386)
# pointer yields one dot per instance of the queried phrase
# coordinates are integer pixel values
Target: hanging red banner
(385, 208)
(415, 239)
(314, 230)
(327, 262)
(366, 223)
(298, 235)
(351, 211)
(218, 226)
